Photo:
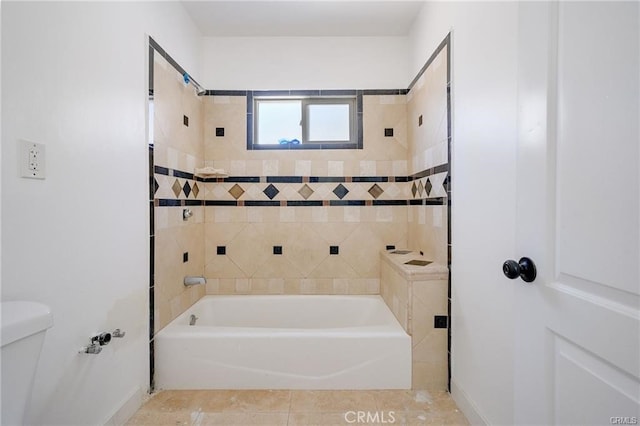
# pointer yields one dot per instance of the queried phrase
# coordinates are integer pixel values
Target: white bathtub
(284, 342)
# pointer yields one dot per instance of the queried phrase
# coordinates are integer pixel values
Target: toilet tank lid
(21, 319)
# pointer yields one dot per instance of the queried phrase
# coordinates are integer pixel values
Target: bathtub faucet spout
(189, 281)
(192, 319)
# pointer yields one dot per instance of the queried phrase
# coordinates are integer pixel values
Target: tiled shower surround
(293, 221)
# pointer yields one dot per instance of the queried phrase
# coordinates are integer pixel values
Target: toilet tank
(22, 328)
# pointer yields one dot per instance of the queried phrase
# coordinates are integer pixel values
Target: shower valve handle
(524, 268)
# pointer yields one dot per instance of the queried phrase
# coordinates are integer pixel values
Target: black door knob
(524, 268)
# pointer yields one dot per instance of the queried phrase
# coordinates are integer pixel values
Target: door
(577, 357)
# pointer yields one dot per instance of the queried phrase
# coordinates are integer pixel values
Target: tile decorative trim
(178, 188)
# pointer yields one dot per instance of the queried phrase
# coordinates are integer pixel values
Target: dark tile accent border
(327, 179)
(225, 93)
(165, 202)
(284, 179)
(220, 203)
(184, 175)
(241, 179)
(161, 170)
(390, 202)
(347, 203)
(304, 203)
(444, 43)
(369, 179)
(258, 203)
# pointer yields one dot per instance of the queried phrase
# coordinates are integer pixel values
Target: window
(303, 123)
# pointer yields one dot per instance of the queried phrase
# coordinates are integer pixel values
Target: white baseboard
(127, 408)
(466, 405)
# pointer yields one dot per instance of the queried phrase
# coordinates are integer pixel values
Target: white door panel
(577, 356)
(609, 388)
(597, 170)
(597, 324)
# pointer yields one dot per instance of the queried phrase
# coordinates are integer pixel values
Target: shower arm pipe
(188, 79)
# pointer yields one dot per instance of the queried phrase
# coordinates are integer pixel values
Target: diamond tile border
(291, 190)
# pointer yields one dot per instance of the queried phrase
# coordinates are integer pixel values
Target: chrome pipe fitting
(93, 349)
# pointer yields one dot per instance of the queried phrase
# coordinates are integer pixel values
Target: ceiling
(303, 18)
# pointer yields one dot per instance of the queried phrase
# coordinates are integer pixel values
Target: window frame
(355, 122)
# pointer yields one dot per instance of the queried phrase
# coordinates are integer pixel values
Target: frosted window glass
(279, 120)
(328, 122)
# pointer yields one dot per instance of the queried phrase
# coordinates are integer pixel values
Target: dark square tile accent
(440, 321)
(340, 191)
(156, 186)
(271, 191)
(428, 186)
(420, 121)
(219, 131)
(221, 250)
(390, 247)
(185, 257)
(334, 250)
(414, 189)
(277, 250)
(185, 120)
(388, 132)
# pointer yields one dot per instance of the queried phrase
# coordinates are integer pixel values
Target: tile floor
(299, 407)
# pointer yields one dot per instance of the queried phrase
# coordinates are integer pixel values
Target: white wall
(269, 63)
(74, 77)
(484, 41)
